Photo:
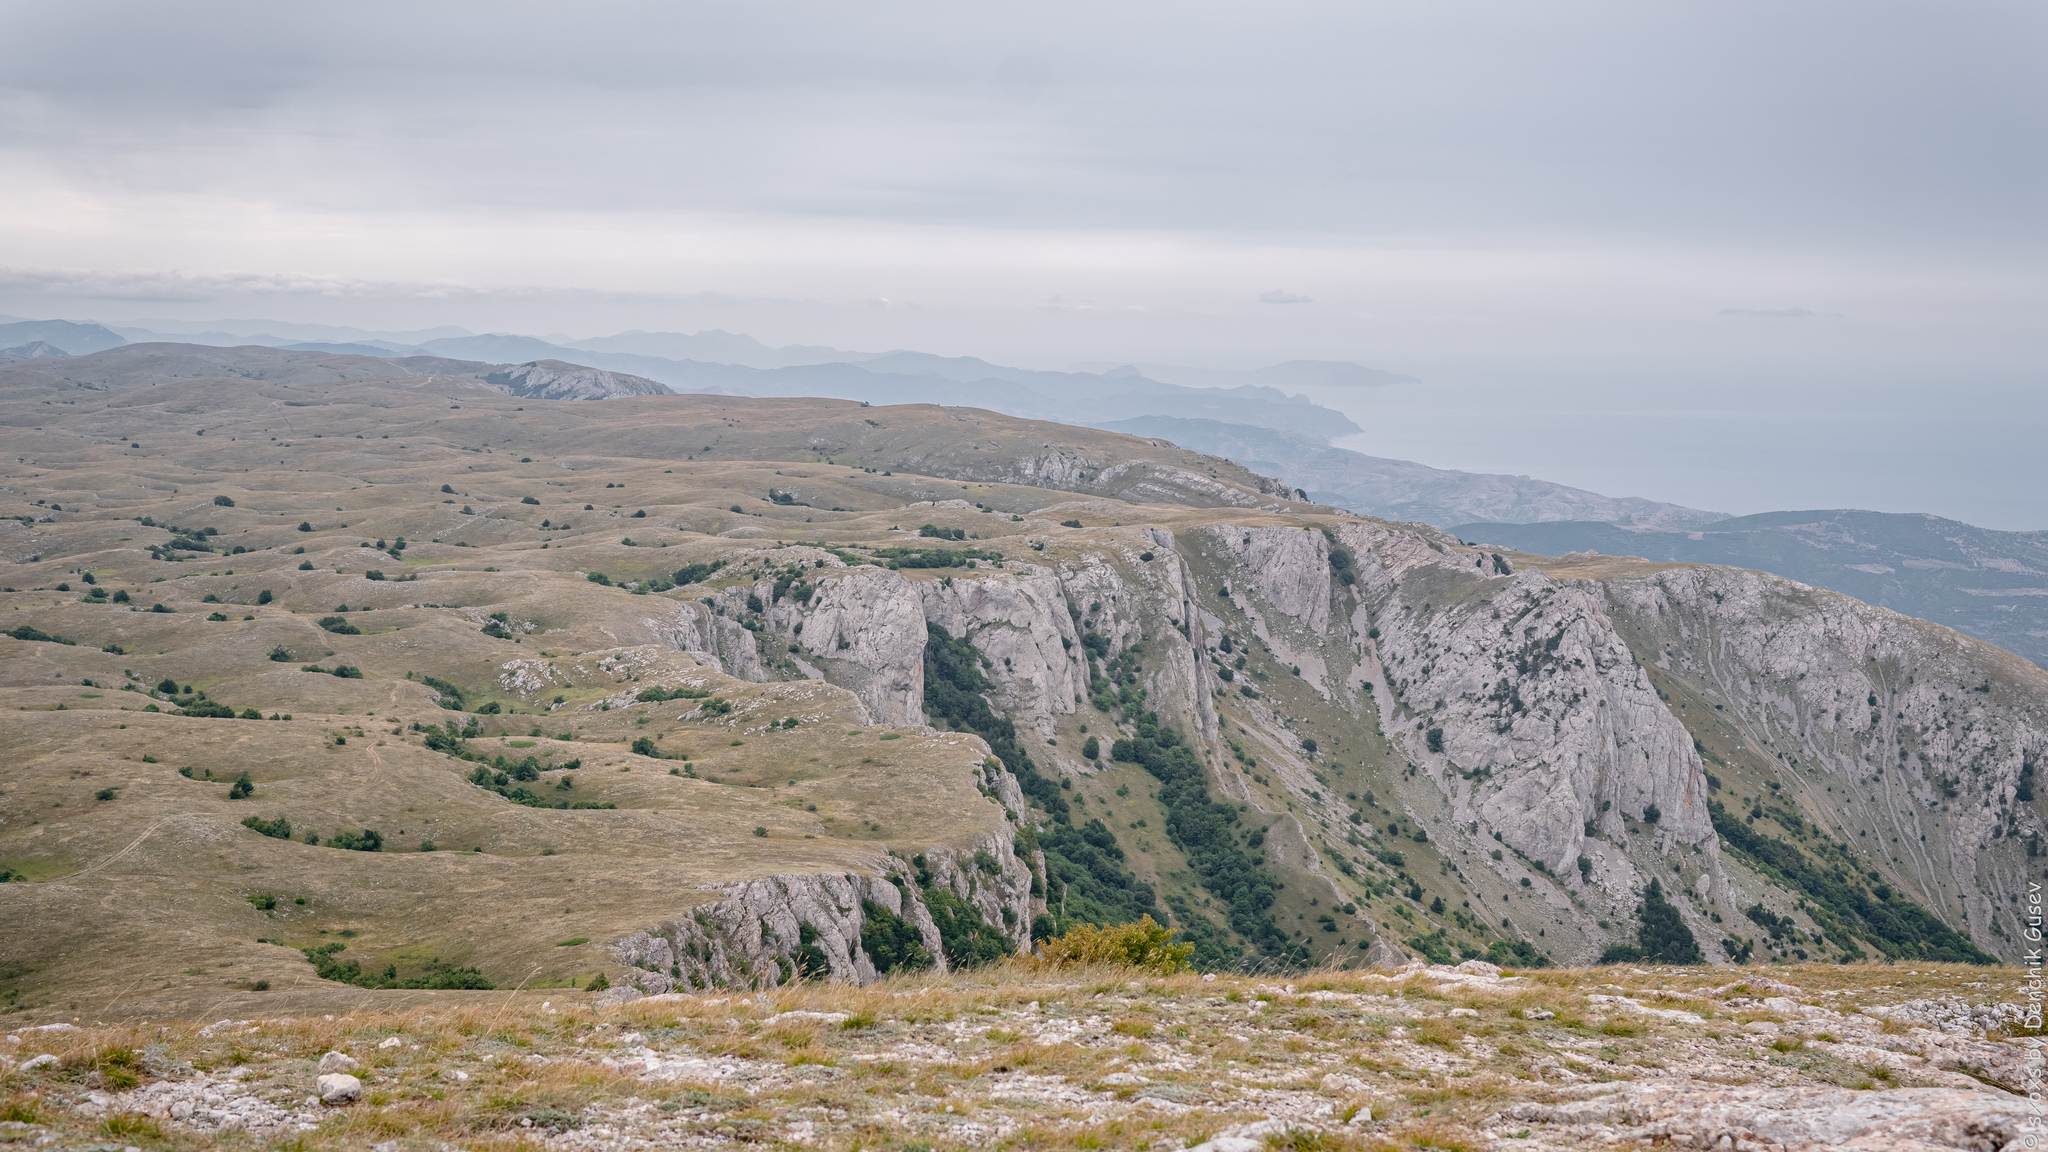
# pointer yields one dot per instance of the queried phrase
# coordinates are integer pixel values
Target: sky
(1585, 226)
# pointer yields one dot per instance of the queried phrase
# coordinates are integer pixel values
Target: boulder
(1339, 1084)
(337, 1088)
(336, 1062)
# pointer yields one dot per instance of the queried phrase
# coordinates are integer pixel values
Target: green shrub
(1434, 947)
(209, 708)
(277, 829)
(1662, 937)
(368, 840)
(437, 975)
(891, 942)
(223, 502)
(1145, 944)
(692, 573)
(658, 695)
(340, 626)
(968, 939)
(242, 788)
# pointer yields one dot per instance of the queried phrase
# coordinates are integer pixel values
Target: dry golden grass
(1014, 1056)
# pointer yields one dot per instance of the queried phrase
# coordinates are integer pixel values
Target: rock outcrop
(1687, 1114)
(1911, 744)
(770, 931)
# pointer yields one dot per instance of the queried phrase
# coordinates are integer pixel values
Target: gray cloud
(1590, 178)
(182, 287)
(1770, 313)
(1877, 121)
(1280, 297)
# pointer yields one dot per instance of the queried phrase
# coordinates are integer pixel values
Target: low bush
(278, 828)
(1145, 944)
(658, 695)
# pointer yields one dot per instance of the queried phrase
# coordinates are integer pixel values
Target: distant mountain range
(1402, 489)
(59, 337)
(749, 367)
(124, 364)
(1987, 584)
(1292, 374)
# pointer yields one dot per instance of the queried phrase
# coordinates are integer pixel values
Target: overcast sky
(1505, 194)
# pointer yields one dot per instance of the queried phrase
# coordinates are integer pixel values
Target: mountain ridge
(1987, 583)
(1442, 737)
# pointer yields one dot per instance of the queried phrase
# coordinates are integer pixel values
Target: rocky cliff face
(1913, 746)
(1517, 695)
(773, 930)
(1522, 727)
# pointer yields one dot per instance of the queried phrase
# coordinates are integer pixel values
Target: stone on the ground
(340, 1088)
(1810, 1118)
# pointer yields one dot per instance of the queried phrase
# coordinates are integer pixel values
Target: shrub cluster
(1145, 944)
(436, 975)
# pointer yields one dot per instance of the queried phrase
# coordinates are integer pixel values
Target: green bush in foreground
(1144, 944)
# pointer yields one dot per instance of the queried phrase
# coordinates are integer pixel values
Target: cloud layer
(1567, 208)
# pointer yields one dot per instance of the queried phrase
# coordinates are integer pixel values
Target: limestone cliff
(1914, 746)
(771, 930)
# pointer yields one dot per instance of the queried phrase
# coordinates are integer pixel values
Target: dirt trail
(89, 869)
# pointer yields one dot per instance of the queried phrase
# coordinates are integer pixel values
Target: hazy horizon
(1739, 257)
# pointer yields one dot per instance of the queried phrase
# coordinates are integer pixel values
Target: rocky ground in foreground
(1023, 1056)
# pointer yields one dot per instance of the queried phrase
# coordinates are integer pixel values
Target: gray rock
(338, 1088)
(337, 1062)
(1803, 1119)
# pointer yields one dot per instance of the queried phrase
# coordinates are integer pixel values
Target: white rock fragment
(337, 1062)
(337, 1088)
(34, 1062)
